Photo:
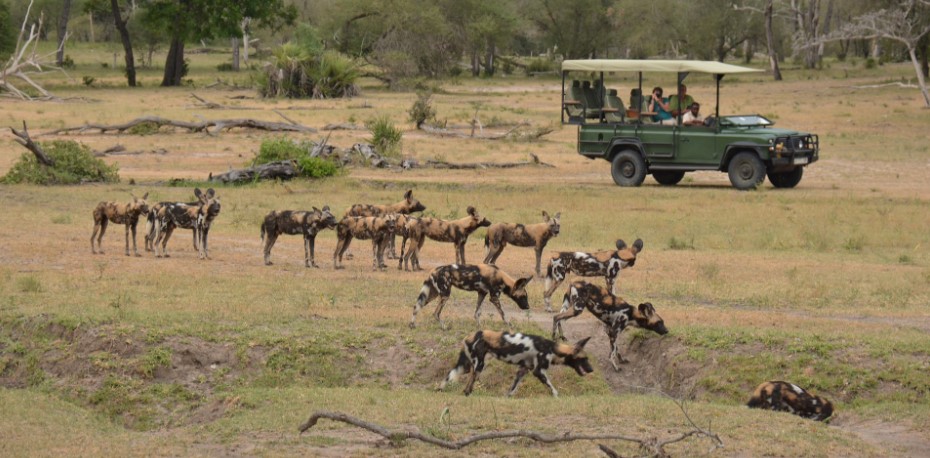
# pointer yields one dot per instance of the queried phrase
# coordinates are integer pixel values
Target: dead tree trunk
(26, 141)
(235, 54)
(283, 170)
(770, 41)
(174, 64)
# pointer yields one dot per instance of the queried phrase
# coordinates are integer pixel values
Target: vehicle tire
(746, 171)
(668, 178)
(787, 179)
(628, 168)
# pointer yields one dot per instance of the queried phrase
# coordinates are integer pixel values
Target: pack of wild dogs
(381, 224)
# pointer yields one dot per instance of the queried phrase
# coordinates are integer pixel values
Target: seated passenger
(693, 116)
(680, 102)
(659, 106)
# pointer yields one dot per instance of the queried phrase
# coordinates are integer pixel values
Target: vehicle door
(658, 141)
(696, 145)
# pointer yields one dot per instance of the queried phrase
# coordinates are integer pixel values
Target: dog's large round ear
(638, 245)
(408, 194)
(522, 282)
(210, 193)
(621, 244)
(145, 196)
(316, 210)
(198, 194)
(326, 208)
(545, 216)
(646, 309)
(558, 215)
(471, 210)
(580, 344)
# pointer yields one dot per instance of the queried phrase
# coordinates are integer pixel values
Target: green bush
(280, 149)
(302, 69)
(422, 110)
(539, 65)
(74, 163)
(315, 167)
(385, 136)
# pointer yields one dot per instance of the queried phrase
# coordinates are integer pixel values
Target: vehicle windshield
(745, 121)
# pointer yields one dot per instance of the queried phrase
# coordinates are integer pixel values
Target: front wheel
(668, 178)
(628, 168)
(787, 179)
(746, 171)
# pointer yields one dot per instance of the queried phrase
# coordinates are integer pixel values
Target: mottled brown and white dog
(531, 353)
(374, 228)
(613, 311)
(404, 207)
(455, 231)
(290, 222)
(607, 263)
(788, 397)
(483, 279)
(152, 219)
(410, 228)
(118, 213)
(529, 235)
(198, 217)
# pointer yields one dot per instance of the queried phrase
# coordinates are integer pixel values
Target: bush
(280, 149)
(304, 70)
(422, 110)
(224, 67)
(539, 65)
(385, 136)
(315, 167)
(74, 163)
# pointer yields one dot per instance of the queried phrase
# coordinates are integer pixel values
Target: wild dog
(404, 207)
(484, 279)
(152, 219)
(534, 235)
(118, 213)
(409, 228)
(197, 217)
(532, 353)
(788, 397)
(613, 311)
(608, 263)
(307, 223)
(455, 231)
(374, 228)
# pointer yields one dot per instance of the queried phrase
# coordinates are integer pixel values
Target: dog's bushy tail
(462, 367)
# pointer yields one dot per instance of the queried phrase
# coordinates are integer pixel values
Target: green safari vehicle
(744, 146)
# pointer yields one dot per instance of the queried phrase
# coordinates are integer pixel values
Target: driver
(693, 117)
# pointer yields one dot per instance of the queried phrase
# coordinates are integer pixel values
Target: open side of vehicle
(744, 146)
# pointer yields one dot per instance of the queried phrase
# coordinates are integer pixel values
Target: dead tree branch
(207, 104)
(207, 126)
(25, 60)
(513, 134)
(26, 141)
(534, 162)
(283, 170)
(652, 445)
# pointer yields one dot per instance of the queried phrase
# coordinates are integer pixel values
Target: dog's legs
(539, 250)
(427, 294)
(313, 251)
(164, 241)
(135, 249)
(127, 239)
(552, 283)
(481, 296)
(543, 377)
(270, 239)
(496, 300)
(442, 303)
(98, 227)
(463, 366)
(516, 382)
(477, 366)
(615, 358)
(569, 301)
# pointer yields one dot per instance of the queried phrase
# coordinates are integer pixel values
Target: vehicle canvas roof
(675, 66)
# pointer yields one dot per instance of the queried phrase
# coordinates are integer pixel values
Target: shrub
(279, 149)
(74, 163)
(422, 110)
(539, 65)
(315, 167)
(304, 70)
(225, 67)
(385, 136)
(143, 128)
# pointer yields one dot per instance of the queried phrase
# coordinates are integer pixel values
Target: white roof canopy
(674, 66)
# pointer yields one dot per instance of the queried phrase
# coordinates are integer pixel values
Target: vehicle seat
(592, 107)
(614, 109)
(574, 110)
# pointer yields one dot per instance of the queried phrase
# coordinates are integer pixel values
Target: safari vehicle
(744, 146)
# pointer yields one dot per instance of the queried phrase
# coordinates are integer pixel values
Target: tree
(202, 19)
(579, 28)
(127, 43)
(63, 31)
(768, 13)
(906, 23)
(7, 39)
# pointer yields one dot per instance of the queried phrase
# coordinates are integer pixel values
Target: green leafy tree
(578, 28)
(7, 37)
(187, 20)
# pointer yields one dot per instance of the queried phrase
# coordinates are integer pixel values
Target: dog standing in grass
(404, 207)
(531, 353)
(613, 311)
(306, 223)
(484, 279)
(607, 263)
(375, 228)
(788, 397)
(530, 235)
(455, 232)
(198, 217)
(118, 213)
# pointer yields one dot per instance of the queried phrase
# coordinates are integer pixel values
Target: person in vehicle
(693, 117)
(659, 106)
(680, 102)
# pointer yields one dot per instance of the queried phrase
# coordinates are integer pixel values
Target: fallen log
(282, 170)
(512, 134)
(534, 162)
(342, 126)
(217, 125)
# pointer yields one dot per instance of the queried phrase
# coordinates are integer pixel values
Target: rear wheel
(628, 168)
(746, 171)
(787, 179)
(668, 178)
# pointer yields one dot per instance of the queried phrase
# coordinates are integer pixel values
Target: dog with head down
(606, 263)
(788, 397)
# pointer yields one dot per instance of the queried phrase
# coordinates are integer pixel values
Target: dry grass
(826, 284)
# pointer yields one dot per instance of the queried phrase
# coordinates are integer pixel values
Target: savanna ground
(826, 285)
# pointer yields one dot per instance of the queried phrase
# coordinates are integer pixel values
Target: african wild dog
(152, 219)
(374, 228)
(532, 353)
(613, 311)
(198, 217)
(404, 207)
(607, 263)
(484, 279)
(308, 223)
(788, 397)
(455, 231)
(118, 213)
(409, 228)
(534, 235)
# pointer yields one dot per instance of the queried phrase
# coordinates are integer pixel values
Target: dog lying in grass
(788, 397)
